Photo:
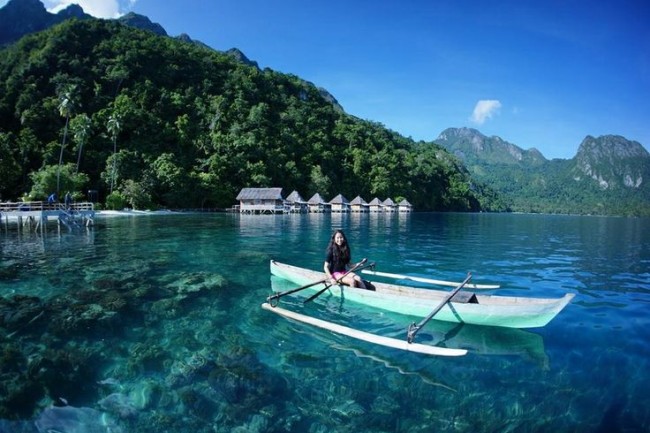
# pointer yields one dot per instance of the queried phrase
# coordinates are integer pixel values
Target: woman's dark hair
(339, 254)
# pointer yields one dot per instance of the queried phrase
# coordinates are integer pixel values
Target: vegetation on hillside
(151, 121)
(609, 176)
(552, 188)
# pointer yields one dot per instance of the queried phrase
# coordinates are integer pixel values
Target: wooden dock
(36, 215)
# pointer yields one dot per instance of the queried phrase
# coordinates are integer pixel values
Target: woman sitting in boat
(337, 262)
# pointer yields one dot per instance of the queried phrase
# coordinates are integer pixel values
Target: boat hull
(490, 310)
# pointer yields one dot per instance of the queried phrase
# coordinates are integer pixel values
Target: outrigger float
(458, 305)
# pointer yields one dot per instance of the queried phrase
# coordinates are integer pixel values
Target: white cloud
(96, 8)
(484, 110)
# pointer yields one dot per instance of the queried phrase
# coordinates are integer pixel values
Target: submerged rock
(146, 358)
(192, 368)
(73, 317)
(146, 394)
(66, 373)
(348, 409)
(194, 283)
(243, 380)
(19, 396)
(168, 308)
(70, 419)
(197, 404)
(119, 405)
(7, 426)
(20, 311)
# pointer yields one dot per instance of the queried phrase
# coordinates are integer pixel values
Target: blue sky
(541, 74)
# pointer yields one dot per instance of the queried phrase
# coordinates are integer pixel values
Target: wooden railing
(262, 208)
(44, 206)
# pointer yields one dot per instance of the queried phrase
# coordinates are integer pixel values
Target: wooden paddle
(288, 292)
(338, 280)
(413, 328)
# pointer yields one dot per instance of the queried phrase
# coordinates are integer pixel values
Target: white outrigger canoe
(477, 309)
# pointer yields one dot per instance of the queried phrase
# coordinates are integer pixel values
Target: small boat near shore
(463, 307)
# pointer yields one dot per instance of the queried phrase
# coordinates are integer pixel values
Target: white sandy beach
(129, 212)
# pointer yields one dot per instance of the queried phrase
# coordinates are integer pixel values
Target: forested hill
(153, 121)
(609, 175)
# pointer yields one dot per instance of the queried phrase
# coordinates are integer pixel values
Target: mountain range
(611, 160)
(604, 170)
(609, 170)
(22, 17)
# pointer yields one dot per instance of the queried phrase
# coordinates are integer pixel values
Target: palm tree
(81, 132)
(66, 107)
(113, 127)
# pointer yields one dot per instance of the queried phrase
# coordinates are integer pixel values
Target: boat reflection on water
(479, 340)
(489, 340)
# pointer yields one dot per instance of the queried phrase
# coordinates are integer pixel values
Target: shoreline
(114, 213)
(117, 213)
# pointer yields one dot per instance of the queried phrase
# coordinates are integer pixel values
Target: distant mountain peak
(331, 99)
(464, 131)
(612, 160)
(471, 146)
(21, 17)
(23, 5)
(142, 22)
(73, 11)
(613, 146)
(238, 55)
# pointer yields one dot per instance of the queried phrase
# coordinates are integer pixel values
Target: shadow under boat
(480, 340)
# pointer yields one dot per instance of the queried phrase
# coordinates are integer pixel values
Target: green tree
(137, 194)
(81, 127)
(66, 108)
(113, 127)
(172, 182)
(9, 166)
(46, 179)
(116, 201)
(319, 182)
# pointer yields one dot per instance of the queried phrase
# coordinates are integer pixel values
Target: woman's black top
(337, 262)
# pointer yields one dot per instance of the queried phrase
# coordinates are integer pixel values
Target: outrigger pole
(415, 328)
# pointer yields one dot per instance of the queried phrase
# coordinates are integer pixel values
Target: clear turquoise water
(153, 323)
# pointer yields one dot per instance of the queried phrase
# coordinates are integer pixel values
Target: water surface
(154, 322)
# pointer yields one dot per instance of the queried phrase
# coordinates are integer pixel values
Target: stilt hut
(261, 200)
(375, 206)
(389, 205)
(340, 204)
(317, 204)
(404, 206)
(295, 203)
(358, 205)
